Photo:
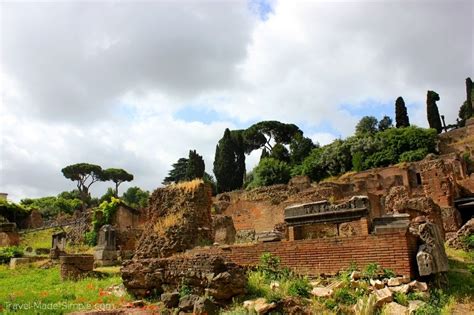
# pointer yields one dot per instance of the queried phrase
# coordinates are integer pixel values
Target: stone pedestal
(76, 267)
(106, 252)
(58, 245)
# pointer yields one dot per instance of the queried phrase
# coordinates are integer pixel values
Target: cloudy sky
(136, 85)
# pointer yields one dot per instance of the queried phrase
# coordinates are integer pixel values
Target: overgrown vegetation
(7, 253)
(13, 212)
(102, 215)
(273, 282)
(66, 202)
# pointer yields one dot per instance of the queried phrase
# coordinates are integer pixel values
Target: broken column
(106, 253)
(431, 257)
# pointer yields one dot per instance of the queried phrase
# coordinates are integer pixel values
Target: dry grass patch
(189, 186)
(168, 221)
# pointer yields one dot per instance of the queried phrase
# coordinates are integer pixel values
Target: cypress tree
(401, 115)
(469, 100)
(195, 166)
(227, 164)
(432, 111)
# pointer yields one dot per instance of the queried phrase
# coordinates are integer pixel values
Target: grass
(26, 286)
(38, 239)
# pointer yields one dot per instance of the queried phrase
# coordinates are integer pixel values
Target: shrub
(6, 253)
(401, 298)
(257, 284)
(413, 155)
(299, 287)
(270, 171)
(371, 270)
(344, 296)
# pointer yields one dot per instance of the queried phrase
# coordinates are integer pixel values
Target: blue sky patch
(261, 8)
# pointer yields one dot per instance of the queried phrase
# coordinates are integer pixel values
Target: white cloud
(102, 82)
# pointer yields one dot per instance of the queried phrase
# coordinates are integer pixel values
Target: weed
(6, 253)
(371, 270)
(388, 273)
(344, 296)
(184, 289)
(299, 287)
(401, 298)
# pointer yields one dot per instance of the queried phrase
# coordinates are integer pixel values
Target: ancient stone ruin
(105, 253)
(322, 219)
(58, 245)
(76, 267)
(201, 273)
(179, 218)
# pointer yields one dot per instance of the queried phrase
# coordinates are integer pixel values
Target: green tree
(118, 176)
(466, 111)
(270, 171)
(300, 148)
(401, 114)
(385, 123)
(177, 173)
(434, 119)
(367, 125)
(65, 202)
(195, 166)
(136, 197)
(85, 175)
(228, 162)
(262, 134)
(469, 95)
(281, 153)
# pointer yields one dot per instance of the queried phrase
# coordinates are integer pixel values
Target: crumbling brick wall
(262, 208)
(394, 251)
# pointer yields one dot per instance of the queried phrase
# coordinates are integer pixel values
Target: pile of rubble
(381, 295)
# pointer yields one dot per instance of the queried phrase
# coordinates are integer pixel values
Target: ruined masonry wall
(394, 251)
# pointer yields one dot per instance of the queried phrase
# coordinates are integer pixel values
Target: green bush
(345, 296)
(299, 287)
(7, 253)
(401, 298)
(371, 271)
(270, 171)
(413, 155)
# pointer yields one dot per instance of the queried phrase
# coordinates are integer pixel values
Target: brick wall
(394, 251)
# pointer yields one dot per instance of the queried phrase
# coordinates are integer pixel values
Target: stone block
(15, 262)
(75, 267)
(383, 296)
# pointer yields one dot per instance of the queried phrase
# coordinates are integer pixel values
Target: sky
(136, 85)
